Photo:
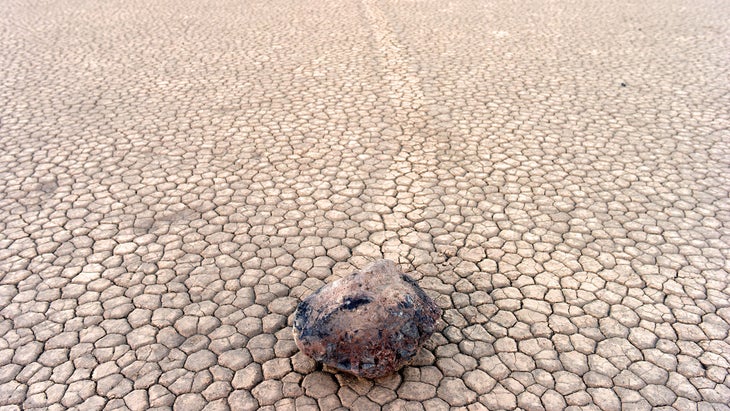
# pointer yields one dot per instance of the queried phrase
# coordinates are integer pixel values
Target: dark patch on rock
(370, 323)
(352, 303)
(302, 315)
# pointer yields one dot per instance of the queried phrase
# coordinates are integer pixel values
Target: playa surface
(175, 176)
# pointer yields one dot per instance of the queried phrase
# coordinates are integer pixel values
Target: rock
(370, 323)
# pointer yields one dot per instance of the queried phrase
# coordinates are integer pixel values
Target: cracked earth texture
(176, 175)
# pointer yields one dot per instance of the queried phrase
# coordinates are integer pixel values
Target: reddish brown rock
(370, 323)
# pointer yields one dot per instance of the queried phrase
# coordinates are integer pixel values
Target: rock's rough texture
(370, 323)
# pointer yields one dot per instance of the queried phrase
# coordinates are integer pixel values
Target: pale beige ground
(175, 175)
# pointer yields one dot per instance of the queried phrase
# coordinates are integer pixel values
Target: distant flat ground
(176, 175)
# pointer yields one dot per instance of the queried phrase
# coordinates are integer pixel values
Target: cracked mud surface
(176, 175)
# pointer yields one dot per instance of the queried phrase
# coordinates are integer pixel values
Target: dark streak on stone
(353, 303)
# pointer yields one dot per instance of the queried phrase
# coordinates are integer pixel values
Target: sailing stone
(370, 323)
